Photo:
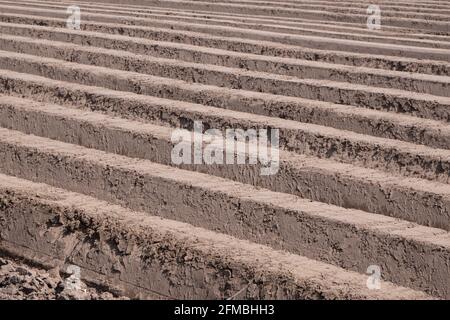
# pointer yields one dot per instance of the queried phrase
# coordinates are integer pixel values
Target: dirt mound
(353, 201)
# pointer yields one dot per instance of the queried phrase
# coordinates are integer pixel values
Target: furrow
(415, 200)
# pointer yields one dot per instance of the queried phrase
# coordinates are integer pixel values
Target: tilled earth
(20, 281)
(90, 116)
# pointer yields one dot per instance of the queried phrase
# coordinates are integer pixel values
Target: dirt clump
(19, 281)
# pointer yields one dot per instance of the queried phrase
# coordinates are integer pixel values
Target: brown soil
(20, 281)
(87, 179)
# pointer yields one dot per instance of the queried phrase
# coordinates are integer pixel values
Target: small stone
(14, 279)
(22, 271)
(3, 262)
(74, 295)
(28, 288)
(106, 296)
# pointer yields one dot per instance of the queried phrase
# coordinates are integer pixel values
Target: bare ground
(20, 281)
